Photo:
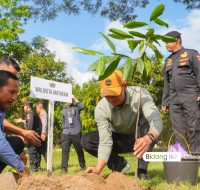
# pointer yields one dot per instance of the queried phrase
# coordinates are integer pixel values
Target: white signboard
(50, 90)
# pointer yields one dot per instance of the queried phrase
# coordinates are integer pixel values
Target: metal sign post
(52, 91)
(50, 137)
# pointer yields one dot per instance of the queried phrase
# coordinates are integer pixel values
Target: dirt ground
(115, 181)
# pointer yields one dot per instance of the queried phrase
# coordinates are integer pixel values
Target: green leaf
(135, 24)
(140, 66)
(101, 66)
(137, 34)
(87, 51)
(157, 12)
(156, 41)
(133, 44)
(110, 59)
(147, 65)
(121, 55)
(107, 60)
(115, 36)
(108, 41)
(150, 33)
(151, 46)
(120, 33)
(127, 68)
(165, 39)
(110, 69)
(94, 65)
(141, 48)
(161, 22)
(159, 56)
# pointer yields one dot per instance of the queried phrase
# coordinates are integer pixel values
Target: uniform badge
(169, 62)
(184, 55)
(183, 61)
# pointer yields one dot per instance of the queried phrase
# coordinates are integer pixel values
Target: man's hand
(19, 120)
(25, 172)
(23, 158)
(198, 99)
(92, 170)
(74, 99)
(165, 109)
(32, 137)
(141, 146)
(43, 136)
(98, 168)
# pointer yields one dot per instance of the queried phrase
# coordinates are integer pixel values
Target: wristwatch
(151, 136)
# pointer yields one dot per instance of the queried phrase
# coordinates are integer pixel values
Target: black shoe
(142, 174)
(120, 165)
(83, 169)
(62, 171)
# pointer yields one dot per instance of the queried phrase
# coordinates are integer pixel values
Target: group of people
(116, 115)
(36, 121)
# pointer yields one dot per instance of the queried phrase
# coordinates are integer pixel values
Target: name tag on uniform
(70, 120)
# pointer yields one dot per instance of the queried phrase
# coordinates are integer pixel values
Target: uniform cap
(173, 34)
(112, 85)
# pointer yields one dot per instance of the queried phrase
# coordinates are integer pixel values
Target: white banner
(50, 90)
(162, 156)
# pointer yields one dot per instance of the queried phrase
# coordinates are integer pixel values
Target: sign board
(50, 90)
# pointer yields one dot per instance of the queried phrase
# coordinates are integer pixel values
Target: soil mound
(115, 181)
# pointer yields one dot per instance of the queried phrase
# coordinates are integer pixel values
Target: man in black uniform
(72, 133)
(181, 94)
(33, 122)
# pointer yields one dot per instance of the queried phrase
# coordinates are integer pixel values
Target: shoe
(62, 171)
(126, 168)
(83, 169)
(144, 176)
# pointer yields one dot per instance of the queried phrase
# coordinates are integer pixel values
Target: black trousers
(66, 142)
(121, 144)
(43, 150)
(34, 157)
(185, 119)
(17, 144)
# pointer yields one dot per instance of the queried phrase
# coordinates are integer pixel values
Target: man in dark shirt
(181, 94)
(33, 122)
(72, 133)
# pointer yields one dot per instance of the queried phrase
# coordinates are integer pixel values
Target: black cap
(30, 104)
(173, 34)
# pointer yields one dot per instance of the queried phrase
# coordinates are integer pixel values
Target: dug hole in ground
(115, 181)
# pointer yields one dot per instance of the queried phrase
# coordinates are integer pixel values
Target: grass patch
(156, 172)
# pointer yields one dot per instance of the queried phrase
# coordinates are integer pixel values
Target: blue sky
(66, 32)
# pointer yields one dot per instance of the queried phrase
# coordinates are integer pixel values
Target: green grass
(156, 172)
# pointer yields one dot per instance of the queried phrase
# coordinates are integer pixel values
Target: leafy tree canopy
(112, 9)
(13, 15)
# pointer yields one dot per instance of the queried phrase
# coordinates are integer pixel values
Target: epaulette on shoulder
(167, 58)
(191, 50)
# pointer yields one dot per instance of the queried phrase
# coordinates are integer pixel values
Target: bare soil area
(115, 181)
